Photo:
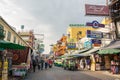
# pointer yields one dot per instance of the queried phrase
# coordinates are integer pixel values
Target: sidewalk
(110, 74)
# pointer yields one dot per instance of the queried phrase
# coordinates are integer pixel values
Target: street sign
(94, 34)
(95, 24)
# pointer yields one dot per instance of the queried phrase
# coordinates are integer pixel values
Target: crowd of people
(41, 63)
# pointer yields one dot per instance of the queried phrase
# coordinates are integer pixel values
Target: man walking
(34, 64)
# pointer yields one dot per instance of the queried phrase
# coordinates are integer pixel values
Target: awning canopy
(81, 51)
(113, 45)
(9, 45)
(109, 51)
(90, 52)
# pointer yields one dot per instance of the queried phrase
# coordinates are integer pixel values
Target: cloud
(49, 17)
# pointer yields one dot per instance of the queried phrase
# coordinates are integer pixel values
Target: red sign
(99, 10)
(97, 45)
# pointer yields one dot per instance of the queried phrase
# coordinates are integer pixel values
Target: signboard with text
(94, 34)
(99, 10)
(87, 44)
(96, 42)
(71, 46)
(95, 24)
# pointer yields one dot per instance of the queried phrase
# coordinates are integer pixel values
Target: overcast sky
(48, 17)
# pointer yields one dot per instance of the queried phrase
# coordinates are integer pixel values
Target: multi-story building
(115, 15)
(8, 33)
(77, 31)
(28, 36)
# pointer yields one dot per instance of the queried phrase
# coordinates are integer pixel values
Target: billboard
(99, 10)
(71, 46)
(96, 41)
(94, 34)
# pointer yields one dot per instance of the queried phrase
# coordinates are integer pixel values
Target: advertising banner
(94, 34)
(99, 10)
(96, 41)
(71, 46)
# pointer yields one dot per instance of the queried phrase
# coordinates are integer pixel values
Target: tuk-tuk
(69, 64)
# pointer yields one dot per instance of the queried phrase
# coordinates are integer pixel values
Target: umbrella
(9, 45)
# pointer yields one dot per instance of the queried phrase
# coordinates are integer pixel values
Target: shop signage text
(95, 24)
(99, 10)
(94, 34)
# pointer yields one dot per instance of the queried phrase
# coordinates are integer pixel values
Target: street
(57, 73)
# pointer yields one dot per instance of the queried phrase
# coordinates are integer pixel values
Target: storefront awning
(90, 52)
(109, 51)
(113, 45)
(81, 51)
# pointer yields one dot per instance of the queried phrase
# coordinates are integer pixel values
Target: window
(18, 41)
(9, 36)
(79, 35)
(14, 39)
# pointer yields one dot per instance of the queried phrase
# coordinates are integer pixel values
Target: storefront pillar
(93, 66)
(5, 70)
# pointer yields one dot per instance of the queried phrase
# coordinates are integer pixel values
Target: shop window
(79, 33)
(9, 36)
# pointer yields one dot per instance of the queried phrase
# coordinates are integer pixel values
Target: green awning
(9, 45)
(109, 51)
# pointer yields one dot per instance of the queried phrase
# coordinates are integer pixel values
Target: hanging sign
(94, 34)
(95, 24)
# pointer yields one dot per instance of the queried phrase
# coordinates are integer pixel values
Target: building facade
(77, 31)
(28, 36)
(8, 33)
(114, 6)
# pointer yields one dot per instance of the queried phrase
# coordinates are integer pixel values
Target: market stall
(111, 59)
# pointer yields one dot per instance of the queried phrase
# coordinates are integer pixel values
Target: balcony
(2, 35)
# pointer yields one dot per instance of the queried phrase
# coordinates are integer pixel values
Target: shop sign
(76, 25)
(95, 24)
(71, 45)
(87, 44)
(96, 41)
(94, 34)
(99, 10)
(96, 45)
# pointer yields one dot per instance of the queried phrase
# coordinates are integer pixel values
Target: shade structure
(77, 55)
(9, 45)
(109, 51)
(114, 44)
(92, 51)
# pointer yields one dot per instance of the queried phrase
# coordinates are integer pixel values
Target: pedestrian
(41, 64)
(88, 62)
(38, 62)
(34, 64)
(50, 63)
(46, 63)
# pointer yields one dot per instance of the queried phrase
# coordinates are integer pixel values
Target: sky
(48, 17)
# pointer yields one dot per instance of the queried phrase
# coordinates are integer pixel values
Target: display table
(19, 70)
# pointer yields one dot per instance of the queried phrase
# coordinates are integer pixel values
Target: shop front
(110, 59)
